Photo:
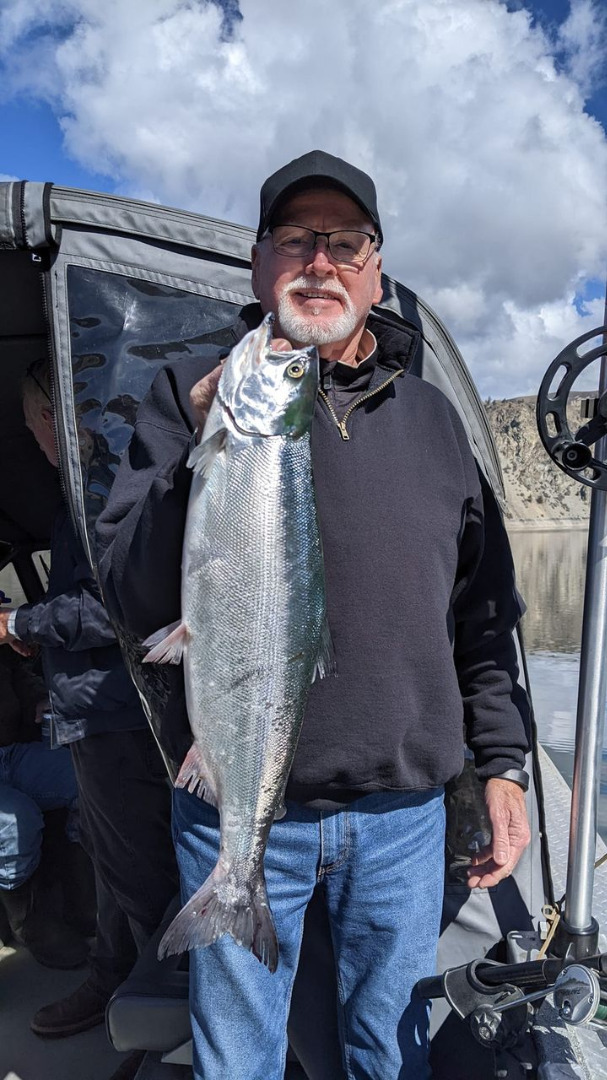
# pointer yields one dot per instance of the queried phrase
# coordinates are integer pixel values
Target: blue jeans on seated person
(381, 862)
(33, 779)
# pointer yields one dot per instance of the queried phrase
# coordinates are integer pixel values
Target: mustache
(319, 285)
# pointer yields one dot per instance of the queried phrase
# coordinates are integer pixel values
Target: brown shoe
(81, 1010)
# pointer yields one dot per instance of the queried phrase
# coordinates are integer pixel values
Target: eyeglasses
(29, 374)
(344, 245)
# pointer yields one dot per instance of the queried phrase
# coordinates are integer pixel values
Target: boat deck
(24, 987)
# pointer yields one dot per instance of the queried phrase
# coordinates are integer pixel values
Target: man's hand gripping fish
(253, 631)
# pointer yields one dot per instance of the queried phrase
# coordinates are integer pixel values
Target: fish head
(266, 392)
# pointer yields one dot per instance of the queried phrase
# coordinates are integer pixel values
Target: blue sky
(32, 147)
(551, 13)
(483, 123)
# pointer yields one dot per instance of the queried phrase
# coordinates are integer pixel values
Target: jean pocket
(191, 809)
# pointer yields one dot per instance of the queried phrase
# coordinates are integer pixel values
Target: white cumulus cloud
(471, 119)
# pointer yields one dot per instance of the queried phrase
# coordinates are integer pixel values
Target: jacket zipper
(341, 424)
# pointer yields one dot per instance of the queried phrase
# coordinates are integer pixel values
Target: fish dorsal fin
(325, 663)
(202, 456)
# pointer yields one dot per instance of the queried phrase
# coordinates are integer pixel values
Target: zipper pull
(343, 430)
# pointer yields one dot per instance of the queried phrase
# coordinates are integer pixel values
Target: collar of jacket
(397, 340)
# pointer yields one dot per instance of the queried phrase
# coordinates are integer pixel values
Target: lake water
(551, 568)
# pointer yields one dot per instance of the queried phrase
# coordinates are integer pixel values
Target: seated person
(124, 797)
(33, 780)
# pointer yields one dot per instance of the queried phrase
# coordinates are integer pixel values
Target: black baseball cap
(304, 172)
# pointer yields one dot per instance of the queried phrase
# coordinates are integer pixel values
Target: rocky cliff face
(537, 491)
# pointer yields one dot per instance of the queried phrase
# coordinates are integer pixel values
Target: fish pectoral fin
(166, 645)
(194, 775)
(325, 663)
(203, 455)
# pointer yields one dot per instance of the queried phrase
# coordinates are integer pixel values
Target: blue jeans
(33, 779)
(380, 861)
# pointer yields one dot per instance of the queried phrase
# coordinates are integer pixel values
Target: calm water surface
(551, 569)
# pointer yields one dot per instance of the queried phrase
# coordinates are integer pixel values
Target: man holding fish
(346, 602)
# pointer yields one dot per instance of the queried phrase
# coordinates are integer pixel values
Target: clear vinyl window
(122, 331)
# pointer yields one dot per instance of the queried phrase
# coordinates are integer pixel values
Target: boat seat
(149, 1010)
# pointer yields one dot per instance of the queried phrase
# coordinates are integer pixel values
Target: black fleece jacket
(420, 582)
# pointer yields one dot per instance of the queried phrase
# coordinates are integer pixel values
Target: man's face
(40, 423)
(317, 300)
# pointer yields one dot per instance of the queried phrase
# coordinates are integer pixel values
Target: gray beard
(306, 331)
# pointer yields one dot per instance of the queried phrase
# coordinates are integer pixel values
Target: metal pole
(592, 695)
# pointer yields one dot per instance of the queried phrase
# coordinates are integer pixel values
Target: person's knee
(16, 871)
(62, 778)
(21, 829)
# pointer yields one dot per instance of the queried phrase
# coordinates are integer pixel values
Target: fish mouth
(260, 344)
(268, 324)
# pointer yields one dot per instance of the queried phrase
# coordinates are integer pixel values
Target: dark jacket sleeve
(74, 619)
(487, 609)
(140, 531)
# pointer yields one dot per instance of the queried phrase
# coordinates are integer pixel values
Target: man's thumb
(501, 847)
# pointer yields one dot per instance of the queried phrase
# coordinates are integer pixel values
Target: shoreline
(548, 525)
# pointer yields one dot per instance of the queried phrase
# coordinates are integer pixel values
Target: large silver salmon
(253, 630)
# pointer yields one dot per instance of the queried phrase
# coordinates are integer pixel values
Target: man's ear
(378, 288)
(255, 271)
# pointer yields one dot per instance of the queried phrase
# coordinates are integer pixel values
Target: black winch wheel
(572, 453)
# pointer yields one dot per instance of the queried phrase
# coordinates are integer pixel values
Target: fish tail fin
(220, 907)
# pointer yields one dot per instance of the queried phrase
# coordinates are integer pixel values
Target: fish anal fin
(194, 776)
(325, 663)
(202, 456)
(167, 645)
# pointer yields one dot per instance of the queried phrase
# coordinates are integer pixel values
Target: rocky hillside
(537, 491)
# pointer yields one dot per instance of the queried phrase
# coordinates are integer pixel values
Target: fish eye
(295, 369)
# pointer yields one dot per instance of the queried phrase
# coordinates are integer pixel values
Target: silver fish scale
(253, 601)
